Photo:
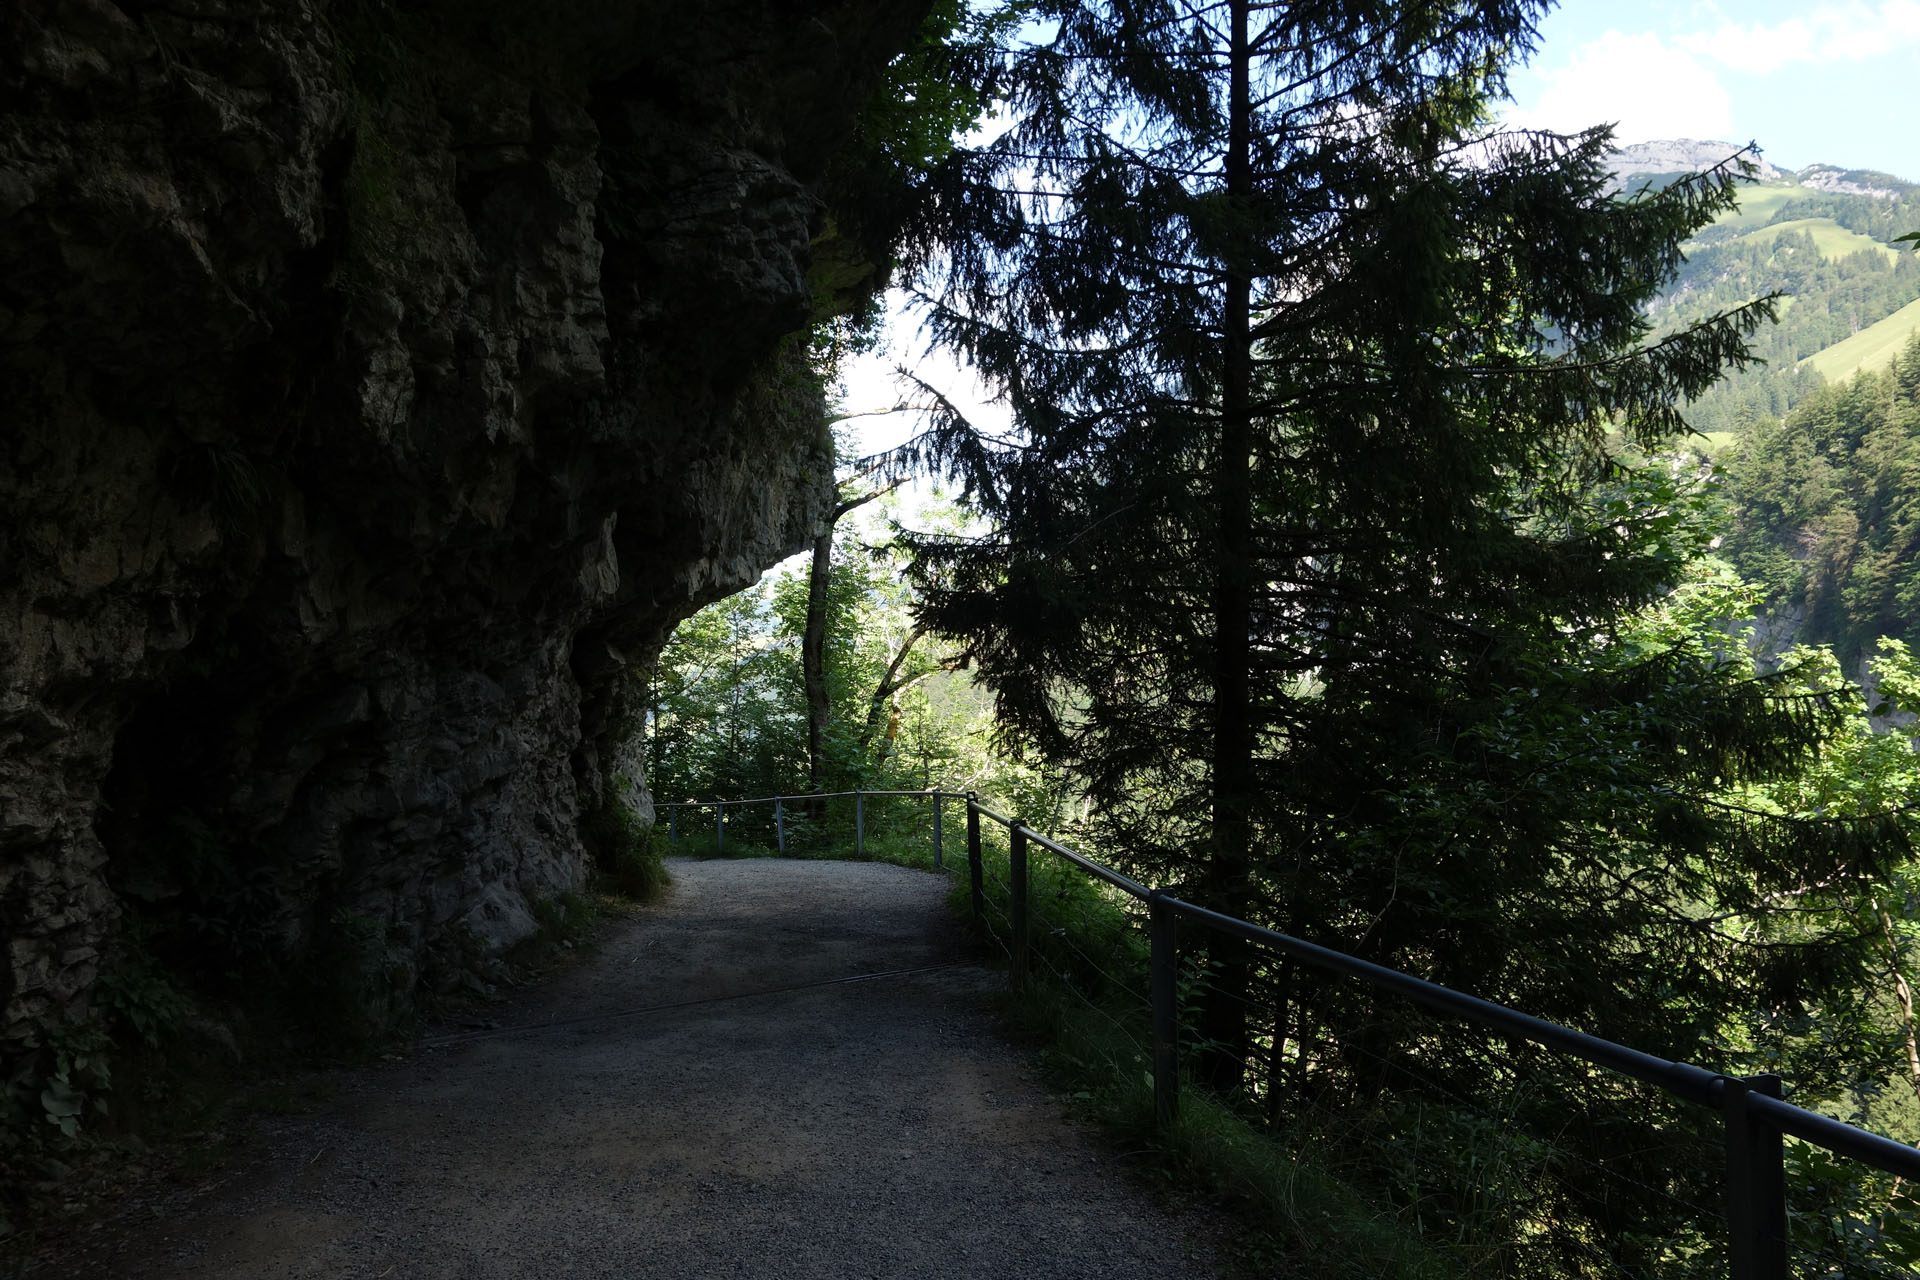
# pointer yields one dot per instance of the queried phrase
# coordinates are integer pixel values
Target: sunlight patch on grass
(1829, 237)
(1757, 204)
(1872, 348)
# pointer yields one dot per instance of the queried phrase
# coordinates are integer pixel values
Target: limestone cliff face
(1678, 155)
(376, 392)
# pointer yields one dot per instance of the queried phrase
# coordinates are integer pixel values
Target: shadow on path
(704, 1097)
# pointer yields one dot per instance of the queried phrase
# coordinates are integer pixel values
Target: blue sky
(1814, 82)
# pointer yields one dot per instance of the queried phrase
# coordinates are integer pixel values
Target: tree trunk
(889, 686)
(813, 645)
(813, 665)
(1225, 880)
(1277, 1073)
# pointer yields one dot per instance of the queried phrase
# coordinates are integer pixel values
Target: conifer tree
(1320, 388)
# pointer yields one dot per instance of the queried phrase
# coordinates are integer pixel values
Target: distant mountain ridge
(1678, 155)
(1852, 182)
(1667, 157)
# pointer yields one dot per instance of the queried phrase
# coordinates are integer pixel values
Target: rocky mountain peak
(1681, 155)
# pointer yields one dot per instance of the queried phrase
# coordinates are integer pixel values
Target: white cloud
(1830, 33)
(1647, 87)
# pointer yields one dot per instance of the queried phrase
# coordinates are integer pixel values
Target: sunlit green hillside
(1760, 204)
(1829, 237)
(1872, 348)
(1848, 298)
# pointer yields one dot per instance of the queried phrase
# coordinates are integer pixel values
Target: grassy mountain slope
(1829, 237)
(1869, 350)
(1821, 237)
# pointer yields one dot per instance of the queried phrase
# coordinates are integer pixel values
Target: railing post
(780, 825)
(1163, 970)
(859, 823)
(1017, 867)
(719, 829)
(973, 857)
(1756, 1185)
(673, 823)
(938, 861)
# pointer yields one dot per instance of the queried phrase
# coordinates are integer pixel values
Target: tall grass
(1084, 1007)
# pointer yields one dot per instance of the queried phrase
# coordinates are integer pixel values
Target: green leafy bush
(626, 851)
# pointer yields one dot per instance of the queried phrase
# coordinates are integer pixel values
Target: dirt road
(709, 1095)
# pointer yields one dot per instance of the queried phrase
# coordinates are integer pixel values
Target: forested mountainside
(1822, 239)
(1824, 510)
(1818, 440)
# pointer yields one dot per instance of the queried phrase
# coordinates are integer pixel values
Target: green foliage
(356, 983)
(937, 89)
(80, 1075)
(1826, 509)
(140, 996)
(1320, 552)
(1083, 1008)
(565, 919)
(727, 712)
(1480, 1167)
(222, 478)
(1852, 1227)
(626, 851)
(567, 926)
(726, 715)
(940, 87)
(55, 1099)
(1491, 725)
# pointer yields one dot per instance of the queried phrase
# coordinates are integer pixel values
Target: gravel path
(775, 1120)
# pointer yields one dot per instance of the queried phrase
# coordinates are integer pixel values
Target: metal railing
(860, 798)
(1755, 1118)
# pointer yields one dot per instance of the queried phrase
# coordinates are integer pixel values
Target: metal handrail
(1092, 868)
(1695, 1084)
(805, 795)
(860, 797)
(1756, 1117)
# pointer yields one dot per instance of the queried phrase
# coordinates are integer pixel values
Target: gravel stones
(776, 1121)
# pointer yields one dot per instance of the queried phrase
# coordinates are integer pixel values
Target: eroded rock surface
(378, 390)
